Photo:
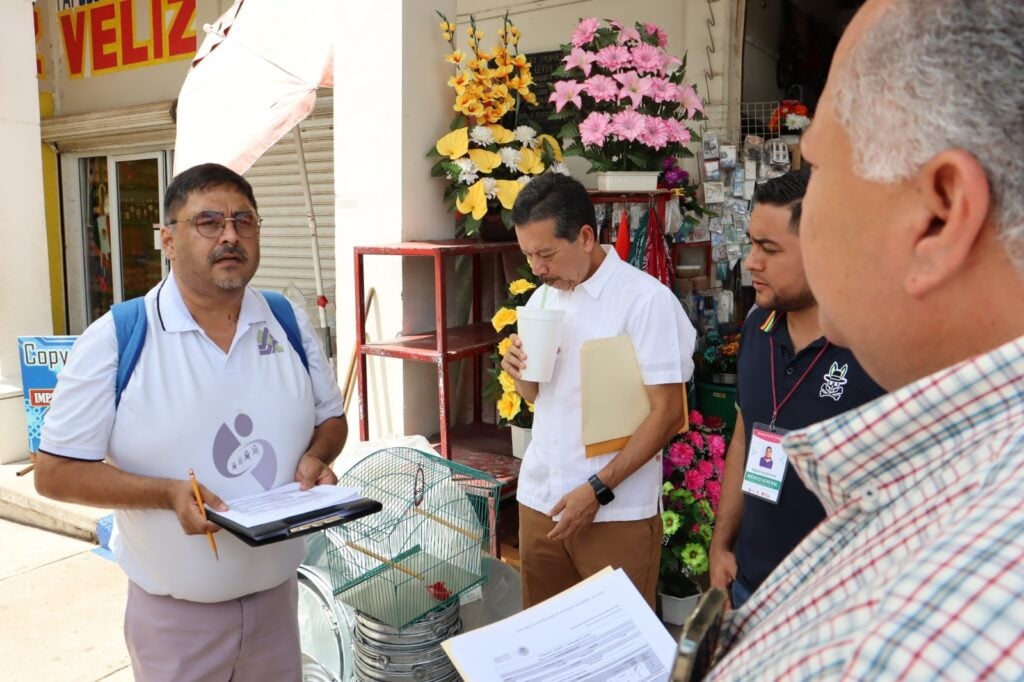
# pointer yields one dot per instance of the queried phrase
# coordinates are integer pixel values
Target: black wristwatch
(603, 492)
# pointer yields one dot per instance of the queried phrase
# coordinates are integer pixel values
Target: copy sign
(42, 358)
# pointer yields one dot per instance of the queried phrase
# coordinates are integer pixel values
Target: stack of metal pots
(385, 654)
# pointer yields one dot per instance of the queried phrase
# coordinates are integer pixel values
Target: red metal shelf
(443, 346)
(440, 247)
(599, 197)
(463, 342)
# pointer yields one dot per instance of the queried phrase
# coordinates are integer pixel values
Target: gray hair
(931, 75)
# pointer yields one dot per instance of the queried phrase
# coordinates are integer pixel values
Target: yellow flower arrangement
(503, 318)
(500, 386)
(503, 345)
(520, 286)
(508, 385)
(486, 162)
(509, 405)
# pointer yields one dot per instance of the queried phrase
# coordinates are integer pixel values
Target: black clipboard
(299, 525)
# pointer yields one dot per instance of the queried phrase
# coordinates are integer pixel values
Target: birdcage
(425, 547)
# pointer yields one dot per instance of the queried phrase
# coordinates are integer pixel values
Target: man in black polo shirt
(790, 376)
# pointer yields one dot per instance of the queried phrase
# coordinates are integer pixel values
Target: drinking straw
(544, 295)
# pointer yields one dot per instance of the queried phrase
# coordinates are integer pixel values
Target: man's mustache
(229, 250)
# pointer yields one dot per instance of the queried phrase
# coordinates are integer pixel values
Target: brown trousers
(550, 567)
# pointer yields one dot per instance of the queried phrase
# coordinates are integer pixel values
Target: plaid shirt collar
(874, 455)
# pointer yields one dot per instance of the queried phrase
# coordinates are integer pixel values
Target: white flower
(523, 179)
(490, 187)
(559, 167)
(467, 170)
(482, 135)
(526, 135)
(797, 121)
(510, 157)
(567, 142)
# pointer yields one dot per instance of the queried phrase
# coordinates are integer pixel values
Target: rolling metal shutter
(286, 253)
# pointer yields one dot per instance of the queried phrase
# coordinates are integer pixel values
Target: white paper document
(284, 502)
(601, 630)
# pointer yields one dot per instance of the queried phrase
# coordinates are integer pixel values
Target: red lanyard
(776, 405)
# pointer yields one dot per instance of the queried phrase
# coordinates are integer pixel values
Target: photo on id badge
(766, 463)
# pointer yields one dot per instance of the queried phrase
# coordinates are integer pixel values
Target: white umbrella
(252, 80)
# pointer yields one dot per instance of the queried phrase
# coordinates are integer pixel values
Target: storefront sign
(42, 358)
(114, 35)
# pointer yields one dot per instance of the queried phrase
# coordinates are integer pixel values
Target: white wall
(24, 278)
(386, 115)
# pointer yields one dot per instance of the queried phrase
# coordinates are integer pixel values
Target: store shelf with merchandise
(685, 266)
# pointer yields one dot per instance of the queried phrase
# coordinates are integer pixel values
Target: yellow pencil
(202, 510)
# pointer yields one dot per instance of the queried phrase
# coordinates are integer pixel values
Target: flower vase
(492, 228)
(675, 610)
(520, 440)
(627, 181)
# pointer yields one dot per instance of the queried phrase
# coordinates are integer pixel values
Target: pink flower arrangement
(622, 97)
(692, 464)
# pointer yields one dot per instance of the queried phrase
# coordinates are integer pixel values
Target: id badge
(766, 464)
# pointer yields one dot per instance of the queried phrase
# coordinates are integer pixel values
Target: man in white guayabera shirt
(217, 388)
(578, 514)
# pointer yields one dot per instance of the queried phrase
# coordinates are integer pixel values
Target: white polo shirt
(617, 299)
(240, 419)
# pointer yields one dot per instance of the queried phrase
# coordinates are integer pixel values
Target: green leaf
(472, 225)
(569, 129)
(568, 111)
(642, 163)
(459, 121)
(440, 168)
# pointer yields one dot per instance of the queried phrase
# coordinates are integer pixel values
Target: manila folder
(614, 399)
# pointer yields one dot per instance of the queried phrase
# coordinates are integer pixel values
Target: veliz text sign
(114, 35)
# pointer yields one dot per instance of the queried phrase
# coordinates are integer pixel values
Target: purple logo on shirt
(233, 458)
(266, 343)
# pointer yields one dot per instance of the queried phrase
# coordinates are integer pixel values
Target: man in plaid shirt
(913, 240)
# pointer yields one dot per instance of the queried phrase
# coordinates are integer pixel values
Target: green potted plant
(719, 357)
(692, 467)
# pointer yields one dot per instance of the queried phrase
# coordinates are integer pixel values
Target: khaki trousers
(550, 567)
(251, 639)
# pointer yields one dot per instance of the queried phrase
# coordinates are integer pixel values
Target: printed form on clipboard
(287, 511)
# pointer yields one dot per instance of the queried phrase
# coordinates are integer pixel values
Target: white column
(24, 279)
(391, 102)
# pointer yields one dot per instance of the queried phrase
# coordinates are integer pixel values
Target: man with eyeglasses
(578, 514)
(217, 388)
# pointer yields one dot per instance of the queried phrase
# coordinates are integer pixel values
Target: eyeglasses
(211, 223)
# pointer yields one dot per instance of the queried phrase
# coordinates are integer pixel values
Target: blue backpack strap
(282, 309)
(130, 325)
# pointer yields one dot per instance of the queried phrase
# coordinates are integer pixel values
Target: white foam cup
(540, 330)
